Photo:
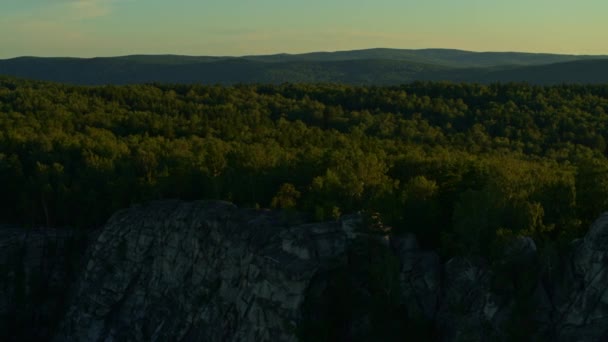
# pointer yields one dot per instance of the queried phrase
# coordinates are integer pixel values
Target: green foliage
(454, 163)
(286, 197)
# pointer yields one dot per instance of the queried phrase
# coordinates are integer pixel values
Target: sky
(88, 28)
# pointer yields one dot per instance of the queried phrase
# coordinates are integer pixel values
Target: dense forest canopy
(461, 165)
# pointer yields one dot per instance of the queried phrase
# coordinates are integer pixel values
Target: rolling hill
(372, 66)
(582, 72)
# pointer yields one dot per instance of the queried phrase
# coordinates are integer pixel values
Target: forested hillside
(359, 67)
(462, 166)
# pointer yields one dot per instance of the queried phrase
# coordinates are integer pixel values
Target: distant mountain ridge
(371, 66)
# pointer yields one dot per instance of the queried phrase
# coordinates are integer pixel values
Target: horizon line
(304, 53)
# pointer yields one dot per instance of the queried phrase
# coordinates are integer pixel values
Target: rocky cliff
(210, 271)
(199, 271)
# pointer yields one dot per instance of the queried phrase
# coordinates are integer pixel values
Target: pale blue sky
(237, 27)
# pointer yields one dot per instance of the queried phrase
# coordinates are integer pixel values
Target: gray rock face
(510, 301)
(176, 271)
(468, 307)
(202, 271)
(419, 277)
(582, 309)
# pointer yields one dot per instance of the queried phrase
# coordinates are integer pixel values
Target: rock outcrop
(581, 295)
(201, 271)
(419, 277)
(525, 295)
(207, 270)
